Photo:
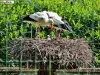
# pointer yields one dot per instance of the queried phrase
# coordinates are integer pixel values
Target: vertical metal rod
(35, 61)
(31, 31)
(50, 65)
(6, 45)
(93, 31)
(21, 55)
(21, 63)
(20, 58)
(27, 64)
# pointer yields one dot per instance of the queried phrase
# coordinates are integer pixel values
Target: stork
(47, 18)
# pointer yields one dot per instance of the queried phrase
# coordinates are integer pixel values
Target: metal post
(20, 63)
(27, 64)
(35, 61)
(49, 64)
(20, 60)
(6, 45)
(31, 31)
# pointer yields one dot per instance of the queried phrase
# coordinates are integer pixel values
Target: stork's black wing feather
(27, 18)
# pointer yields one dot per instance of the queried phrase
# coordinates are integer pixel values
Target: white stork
(46, 18)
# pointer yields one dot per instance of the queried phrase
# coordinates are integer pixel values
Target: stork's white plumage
(46, 18)
(37, 18)
(55, 17)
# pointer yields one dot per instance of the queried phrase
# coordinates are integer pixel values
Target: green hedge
(82, 15)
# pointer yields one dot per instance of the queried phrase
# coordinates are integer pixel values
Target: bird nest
(64, 53)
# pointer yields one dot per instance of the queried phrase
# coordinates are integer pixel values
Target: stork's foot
(48, 37)
(38, 36)
(58, 33)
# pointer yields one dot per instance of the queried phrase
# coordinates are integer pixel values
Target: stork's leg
(52, 28)
(58, 33)
(38, 32)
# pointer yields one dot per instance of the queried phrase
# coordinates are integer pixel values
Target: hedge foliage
(82, 15)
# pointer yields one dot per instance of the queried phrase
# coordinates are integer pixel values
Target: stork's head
(65, 21)
(67, 26)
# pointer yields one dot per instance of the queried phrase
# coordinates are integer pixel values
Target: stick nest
(68, 53)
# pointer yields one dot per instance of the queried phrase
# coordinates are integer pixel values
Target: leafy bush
(82, 15)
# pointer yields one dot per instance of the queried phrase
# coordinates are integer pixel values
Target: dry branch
(71, 53)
